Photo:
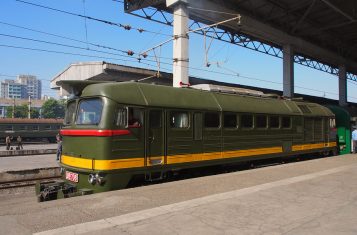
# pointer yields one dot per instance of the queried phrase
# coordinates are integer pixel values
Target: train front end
(87, 142)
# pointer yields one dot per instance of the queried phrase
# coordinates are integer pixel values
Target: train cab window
(212, 120)
(286, 122)
(261, 121)
(9, 128)
(89, 112)
(274, 122)
(247, 121)
(70, 113)
(179, 119)
(230, 120)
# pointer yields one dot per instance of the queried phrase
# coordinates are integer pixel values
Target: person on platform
(19, 143)
(8, 142)
(354, 138)
(59, 147)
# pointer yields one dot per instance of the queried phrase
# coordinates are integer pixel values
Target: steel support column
(342, 86)
(288, 71)
(180, 45)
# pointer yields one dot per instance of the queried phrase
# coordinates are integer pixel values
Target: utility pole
(180, 45)
(13, 108)
(29, 108)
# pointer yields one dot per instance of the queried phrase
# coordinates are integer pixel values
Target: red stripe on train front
(94, 132)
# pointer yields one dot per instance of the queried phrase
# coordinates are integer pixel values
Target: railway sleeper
(47, 191)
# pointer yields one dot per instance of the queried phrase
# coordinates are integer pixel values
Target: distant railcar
(115, 131)
(30, 129)
(343, 125)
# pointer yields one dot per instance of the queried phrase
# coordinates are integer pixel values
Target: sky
(45, 58)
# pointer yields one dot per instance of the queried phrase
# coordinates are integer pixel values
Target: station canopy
(319, 31)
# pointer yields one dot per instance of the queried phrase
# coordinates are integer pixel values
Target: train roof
(30, 121)
(141, 94)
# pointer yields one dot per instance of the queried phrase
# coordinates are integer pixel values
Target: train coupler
(53, 190)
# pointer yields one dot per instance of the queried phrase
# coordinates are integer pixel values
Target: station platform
(307, 197)
(28, 167)
(28, 149)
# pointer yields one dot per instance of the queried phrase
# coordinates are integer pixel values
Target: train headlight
(100, 179)
(92, 179)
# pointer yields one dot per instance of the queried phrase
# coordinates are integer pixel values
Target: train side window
(286, 122)
(9, 128)
(212, 120)
(35, 128)
(70, 113)
(274, 122)
(155, 119)
(230, 120)
(47, 127)
(332, 123)
(247, 121)
(135, 117)
(122, 118)
(179, 119)
(23, 128)
(262, 121)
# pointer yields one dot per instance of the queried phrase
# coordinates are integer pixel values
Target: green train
(115, 131)
(30, 129)
(343, 125)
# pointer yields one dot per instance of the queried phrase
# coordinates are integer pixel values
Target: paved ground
(33, 146)
(19, 163)
(309, 197)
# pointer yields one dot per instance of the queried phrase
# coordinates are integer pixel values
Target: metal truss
(240, 39)
(311, 63)
(352, 77)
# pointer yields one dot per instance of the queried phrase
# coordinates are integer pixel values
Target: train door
(309, 130)
(155, 138)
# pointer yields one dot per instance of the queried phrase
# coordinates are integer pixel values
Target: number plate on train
(72, 176)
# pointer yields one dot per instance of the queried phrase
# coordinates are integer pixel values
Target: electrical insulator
(127, 27)
(130, 52)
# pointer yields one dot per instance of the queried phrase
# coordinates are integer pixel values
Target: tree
(20, 111)
(53, 109)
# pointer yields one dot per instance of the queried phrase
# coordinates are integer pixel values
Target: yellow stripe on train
(126, 163)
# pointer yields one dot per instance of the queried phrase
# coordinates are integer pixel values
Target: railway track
(25, 183)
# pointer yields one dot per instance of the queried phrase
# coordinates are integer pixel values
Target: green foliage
(53, 109)
(22, 112)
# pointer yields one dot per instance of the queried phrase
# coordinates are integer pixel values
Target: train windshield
(70, 113)
(89, 112)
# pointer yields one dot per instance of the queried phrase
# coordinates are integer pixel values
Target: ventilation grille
(304, 109)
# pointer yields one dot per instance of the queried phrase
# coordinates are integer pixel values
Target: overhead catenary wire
(120, 25)
(77, 40)
(147, 64)
(128, 53)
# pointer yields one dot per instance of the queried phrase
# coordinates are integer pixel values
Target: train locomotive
(115, 131)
